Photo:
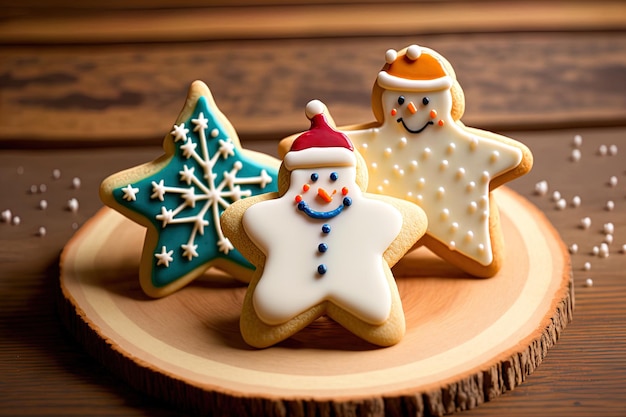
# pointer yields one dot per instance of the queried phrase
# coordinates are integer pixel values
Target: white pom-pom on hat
(413, 52)
(390, 55)
(313, 108)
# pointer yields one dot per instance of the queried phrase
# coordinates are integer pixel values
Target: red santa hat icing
(415, 69)
(321, 145)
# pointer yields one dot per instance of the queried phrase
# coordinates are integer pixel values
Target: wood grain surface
(78, 106)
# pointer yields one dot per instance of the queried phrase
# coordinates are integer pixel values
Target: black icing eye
(314, 176)
(401, 100)
(334, 176)
(425, 101)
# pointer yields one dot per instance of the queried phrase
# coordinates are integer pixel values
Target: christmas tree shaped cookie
(419, 150)
(321, 245)
(180, 196)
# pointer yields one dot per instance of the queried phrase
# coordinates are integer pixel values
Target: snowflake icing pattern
(185, 199)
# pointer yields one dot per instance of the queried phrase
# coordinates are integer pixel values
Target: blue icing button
(322, 247)
(326, 228)
(321, 269)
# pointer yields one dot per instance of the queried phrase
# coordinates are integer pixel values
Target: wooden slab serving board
(467, 341)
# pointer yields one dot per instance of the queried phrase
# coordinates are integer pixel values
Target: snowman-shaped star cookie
(321, 245)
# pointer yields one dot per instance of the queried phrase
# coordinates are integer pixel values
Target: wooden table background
(93, 88)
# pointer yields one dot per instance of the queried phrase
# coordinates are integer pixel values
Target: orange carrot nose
(324, 195)
(412, 108)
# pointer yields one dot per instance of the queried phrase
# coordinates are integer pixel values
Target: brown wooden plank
(129, 94)
(309, 20)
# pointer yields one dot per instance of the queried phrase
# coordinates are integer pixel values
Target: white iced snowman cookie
(419, 150)
(321, 245)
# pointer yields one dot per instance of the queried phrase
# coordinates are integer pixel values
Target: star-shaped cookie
(180, 196)
(321, 245)
(420, 151)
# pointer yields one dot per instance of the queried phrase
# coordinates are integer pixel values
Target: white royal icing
(444, 168)
(354, 278)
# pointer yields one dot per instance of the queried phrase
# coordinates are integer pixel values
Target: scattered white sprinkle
(613, 181)
(604, 250)
(608, 228)
(561, 204)
(42, 231)
(624, 248)
(610, 205)
(16, 220)
(588, 282)
(576, 201)
(595, 251)
(586, 266)
(43, 204)
(541, 188)
(602, 150)
(74, 226)
(20, 170)
(585, 222)
(608, 239)
(56, 173)
(573, 249)
(556, 196)
(578, 141)
(575, 157)
(72, 205)
(613, 150)
(43, 188)
(33, 189)
(6, 216)
(76, 183)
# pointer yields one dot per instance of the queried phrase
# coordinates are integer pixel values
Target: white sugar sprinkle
(608, 228)
(573, 249)
(575, 157)
(578, 141)
(585, 222)
(16, 220)
(610, 205)
(556, 196)
(588, 282)
(602, 150)
(613, 150)
(541, 188)
(72, 205)
(43, 204)
(33, 189)
(608, 239)
(20, 170)
(595, 251)
(576, 201)
(624, 248)
(76, 183)
(6, 216)
(561, 204)
(586, 266)
(43, 188)
(42, 231)
(56, 173)
(604, 250)
(613, 181)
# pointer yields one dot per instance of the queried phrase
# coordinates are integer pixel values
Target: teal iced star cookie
(180, 196)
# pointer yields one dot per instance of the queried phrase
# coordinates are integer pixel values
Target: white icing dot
(561, 204)
(576, 201)
(585, 222)
(573, 249)
(215, 133)
(454, 227)
(452, 245)
(390, 56)
(364, 147)
(578, 141)
(495, 155)
(484, 216)
(16, 220)
(608, 228)
(386, 182)
(43, 204)
(441, 192)
(460, 173)
(613, 150)
(610, 205)
(541, 188)
(484, 201)
(469, 235)
(419, 198)
(443, 165)
(556, 196)
(588, 282)
(388, 151)
(602, 150)
(42, 231)
(481, 248)
(473, 144)
(56, 173)
(451, 148)
(76, 183)
(6, 216)
(484, 177)
(421, 182)
(445, 213)
(613, 181)
(414, 164)
(586, 266)
(426, 153)
(470, 186)
(379, 188)
(403, 142)
(72, 205)
(472, 207)
(576, 155)
(374, 165)
(413, 52)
